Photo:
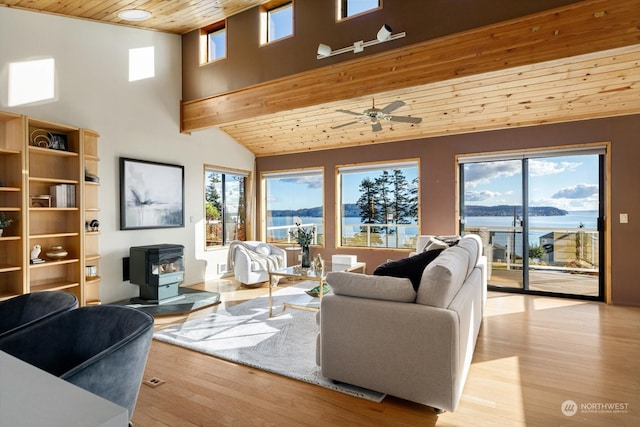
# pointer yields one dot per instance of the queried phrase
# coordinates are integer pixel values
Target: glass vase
(306, 257)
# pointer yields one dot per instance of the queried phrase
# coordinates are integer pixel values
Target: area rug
(244, 334)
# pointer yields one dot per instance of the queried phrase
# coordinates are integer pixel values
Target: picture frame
(151, 194)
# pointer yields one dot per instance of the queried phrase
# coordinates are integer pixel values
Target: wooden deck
(547, 281)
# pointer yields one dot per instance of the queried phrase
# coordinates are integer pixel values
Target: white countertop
(31, 397)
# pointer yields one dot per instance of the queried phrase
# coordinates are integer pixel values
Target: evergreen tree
(367, 201)
(213, 201)
(384, 199)
(402, 198)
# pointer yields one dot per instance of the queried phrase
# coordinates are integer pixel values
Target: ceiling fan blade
(349, 112)
(344, 124)
(405, 119)
(392, 107)
(376, 126)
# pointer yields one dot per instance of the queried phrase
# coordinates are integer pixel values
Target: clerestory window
(349, 8)
(213, 43)
(277, 21)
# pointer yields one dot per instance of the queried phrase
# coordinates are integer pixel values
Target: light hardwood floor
(533, 354)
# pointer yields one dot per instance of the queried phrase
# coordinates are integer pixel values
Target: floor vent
(153, 382)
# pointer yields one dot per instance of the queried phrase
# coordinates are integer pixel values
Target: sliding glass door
(538, 215)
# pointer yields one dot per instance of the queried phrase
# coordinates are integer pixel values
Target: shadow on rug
(244, 334)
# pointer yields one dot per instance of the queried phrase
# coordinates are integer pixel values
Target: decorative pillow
(263, 249)
(372, 287)
(435, 243)
(410, 268)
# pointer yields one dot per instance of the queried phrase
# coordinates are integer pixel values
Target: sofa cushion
(375, 287)
(411, 267)
(442, 279)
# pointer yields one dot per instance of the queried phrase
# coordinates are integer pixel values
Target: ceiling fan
(375, 115)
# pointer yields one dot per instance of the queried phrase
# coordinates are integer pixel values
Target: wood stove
(158, 270)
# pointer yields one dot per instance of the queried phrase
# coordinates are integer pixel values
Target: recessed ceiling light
(134, 15)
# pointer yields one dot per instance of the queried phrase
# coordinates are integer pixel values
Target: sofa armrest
(404, 349)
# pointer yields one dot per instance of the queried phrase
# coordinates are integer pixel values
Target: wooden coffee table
(296, 272)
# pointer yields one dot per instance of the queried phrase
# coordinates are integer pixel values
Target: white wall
(137, 119)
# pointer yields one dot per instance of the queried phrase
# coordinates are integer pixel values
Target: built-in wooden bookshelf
(36, 157)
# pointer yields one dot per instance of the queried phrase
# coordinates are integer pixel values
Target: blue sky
(306, 192)
(569, 183)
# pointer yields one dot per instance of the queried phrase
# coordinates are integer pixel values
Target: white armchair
(252, 260)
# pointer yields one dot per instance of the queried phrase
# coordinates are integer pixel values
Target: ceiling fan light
(384, 33)
(324, 50)
(134, 15)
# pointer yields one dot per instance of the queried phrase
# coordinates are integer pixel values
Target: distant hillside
(507, 210)
(351, 210)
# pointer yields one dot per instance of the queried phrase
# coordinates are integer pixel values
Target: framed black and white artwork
(151, 194)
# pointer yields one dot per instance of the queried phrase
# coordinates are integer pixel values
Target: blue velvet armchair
(24, 310)
(102, 349)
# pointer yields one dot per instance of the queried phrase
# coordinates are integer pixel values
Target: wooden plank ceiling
(177, 17)
(571, 63)
(576, 62)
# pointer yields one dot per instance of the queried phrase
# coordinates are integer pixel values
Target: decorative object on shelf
(35, 255)
(151, 195)
(57, 252)
(41, 201)
(41, 138)
(59, 141)
(89, 177)
(304, 237)
(94, 225)
(91, 271)
(4, 222)
(1, 184)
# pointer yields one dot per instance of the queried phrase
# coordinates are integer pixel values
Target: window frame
(265, 26)
(205, 32)
(292, 173)
(342, 7)
(207, 168)
(378, 167)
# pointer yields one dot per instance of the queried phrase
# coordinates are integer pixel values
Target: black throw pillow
(410, 268)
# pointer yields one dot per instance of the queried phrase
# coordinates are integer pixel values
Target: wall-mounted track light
(384, 35)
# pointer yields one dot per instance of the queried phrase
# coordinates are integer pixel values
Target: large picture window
(225, 206)
(379, 205)
(291, 196)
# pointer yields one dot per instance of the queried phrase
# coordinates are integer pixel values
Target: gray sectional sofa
(379, 333)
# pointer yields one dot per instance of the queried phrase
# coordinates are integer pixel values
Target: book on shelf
(63, 196)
